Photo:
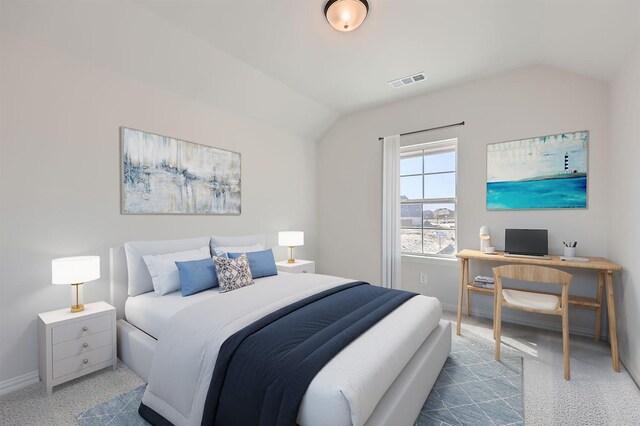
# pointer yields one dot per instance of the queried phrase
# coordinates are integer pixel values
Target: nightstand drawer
(76, 363)
(303, 269)
(82, 345)
(82, 328)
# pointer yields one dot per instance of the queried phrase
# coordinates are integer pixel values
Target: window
(428, 198)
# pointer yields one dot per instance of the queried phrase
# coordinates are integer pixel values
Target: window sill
(434, 260)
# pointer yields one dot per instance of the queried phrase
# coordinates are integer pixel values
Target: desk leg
(613, 333)
(599, 309)
(468, 278)
(460, 293)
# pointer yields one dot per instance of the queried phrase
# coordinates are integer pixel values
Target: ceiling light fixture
(346, 15)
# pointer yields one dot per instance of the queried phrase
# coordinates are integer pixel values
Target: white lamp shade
(346, 15)
(485, 233)
(74, 270)
(291, 238)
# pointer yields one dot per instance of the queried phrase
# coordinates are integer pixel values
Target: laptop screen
(533, 242)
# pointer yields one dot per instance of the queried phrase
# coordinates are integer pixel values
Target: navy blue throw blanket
(263, 371)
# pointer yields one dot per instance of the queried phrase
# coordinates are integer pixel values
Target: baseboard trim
(8, 386)
(529, 322)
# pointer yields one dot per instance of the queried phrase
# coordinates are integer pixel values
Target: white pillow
(164, 272)
(220, 251)
(219, 242)
(138, 273)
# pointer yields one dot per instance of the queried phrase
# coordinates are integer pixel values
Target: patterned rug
(472, 389)
(119, 411)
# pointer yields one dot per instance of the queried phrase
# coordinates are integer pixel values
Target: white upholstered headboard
(119, 279)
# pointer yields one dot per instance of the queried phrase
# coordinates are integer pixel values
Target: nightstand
(74, 344)
(299, 267)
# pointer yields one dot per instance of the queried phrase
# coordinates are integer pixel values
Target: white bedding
(345, 391)
(150, 312)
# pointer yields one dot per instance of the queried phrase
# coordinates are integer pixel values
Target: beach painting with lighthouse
(547, 172)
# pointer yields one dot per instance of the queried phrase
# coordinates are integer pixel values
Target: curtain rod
(428, 130)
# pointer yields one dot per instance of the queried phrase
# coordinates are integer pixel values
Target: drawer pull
(85, 344)
(85, 328)
(84, 361)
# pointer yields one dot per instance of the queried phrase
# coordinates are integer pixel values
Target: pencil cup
(569, 252)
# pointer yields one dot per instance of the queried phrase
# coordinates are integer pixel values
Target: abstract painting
(547, 172)
(162, 175)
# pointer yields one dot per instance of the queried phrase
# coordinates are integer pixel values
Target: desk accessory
(570, 249)
(485, 238)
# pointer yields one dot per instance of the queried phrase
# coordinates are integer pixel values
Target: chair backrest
(533, 273)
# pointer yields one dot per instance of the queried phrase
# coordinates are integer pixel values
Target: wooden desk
(603, 266)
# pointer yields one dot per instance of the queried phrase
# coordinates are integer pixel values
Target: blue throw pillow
(197, 275)
(261, 263)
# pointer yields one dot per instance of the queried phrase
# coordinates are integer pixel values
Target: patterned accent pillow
(233, 273)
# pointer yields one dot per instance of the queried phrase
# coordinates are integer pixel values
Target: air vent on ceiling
(406, 81)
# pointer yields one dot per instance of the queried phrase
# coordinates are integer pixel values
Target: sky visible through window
(435, 186)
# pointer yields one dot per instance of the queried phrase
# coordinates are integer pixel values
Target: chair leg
(495, 299)
(565, 343)
(498, 325)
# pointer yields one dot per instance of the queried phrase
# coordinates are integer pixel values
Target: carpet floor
(594, 395)
(32, 406)
(471, 389)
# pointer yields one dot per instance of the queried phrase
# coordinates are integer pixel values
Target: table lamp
(485, 238)
(75, 271)
(291, 239)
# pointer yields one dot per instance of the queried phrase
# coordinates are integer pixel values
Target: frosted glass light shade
(291, 238)
(74, 270)
(346, 15)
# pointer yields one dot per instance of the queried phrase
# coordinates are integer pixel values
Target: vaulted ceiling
(450, 40)
(278, 62)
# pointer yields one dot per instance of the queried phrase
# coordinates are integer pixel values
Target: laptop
(529, 243)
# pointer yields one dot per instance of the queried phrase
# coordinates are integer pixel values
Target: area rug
(472, 389)
(119, 411)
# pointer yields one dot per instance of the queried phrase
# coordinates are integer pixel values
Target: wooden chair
(530, 301)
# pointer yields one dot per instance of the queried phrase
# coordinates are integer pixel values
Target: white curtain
(391, 212)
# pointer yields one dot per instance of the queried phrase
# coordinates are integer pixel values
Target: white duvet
(345, 391)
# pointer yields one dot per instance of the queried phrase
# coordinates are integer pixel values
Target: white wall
(529, 102)
(624, 229)
(61, 110)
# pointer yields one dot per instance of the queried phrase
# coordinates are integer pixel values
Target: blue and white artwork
(162, 175)
(548, 172)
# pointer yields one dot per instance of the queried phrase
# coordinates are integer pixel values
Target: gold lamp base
(77, 308)
(291, 259)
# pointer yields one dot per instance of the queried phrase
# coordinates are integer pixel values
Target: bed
(353, 388)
